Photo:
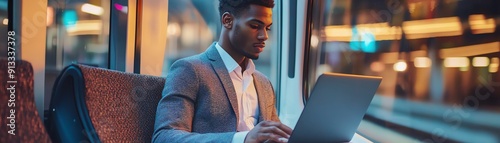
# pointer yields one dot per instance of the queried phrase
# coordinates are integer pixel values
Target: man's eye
(268, 29)
(254, 26)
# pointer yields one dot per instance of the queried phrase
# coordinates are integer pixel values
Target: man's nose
(263, 35)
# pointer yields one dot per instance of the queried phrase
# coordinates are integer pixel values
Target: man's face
(250, 30)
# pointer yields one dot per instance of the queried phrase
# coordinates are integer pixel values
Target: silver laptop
(335, 108)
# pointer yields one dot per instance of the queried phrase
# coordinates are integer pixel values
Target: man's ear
(227, 20)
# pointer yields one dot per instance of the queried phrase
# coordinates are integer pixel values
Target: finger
(281, 126)
(264, 123)
(277, 131)
(286, 129)
(283, 140)
(270, 123)
(270, 137)
(280, 140)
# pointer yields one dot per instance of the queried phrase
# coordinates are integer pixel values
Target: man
(218, 96)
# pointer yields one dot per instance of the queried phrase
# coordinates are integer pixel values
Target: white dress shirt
(248, 105)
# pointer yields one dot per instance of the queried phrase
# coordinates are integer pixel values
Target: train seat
(101, 105)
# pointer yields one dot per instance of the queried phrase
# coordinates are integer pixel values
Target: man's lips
(259, 45)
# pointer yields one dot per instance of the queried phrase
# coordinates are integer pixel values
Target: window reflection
(194, 25)
(438, 60)
(3, 26)
(77, 32)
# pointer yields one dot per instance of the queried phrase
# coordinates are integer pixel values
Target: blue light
(354, 44)
(363, 42)
(69, 18)
(369, 43)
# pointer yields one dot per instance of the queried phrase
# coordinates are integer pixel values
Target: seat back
(101, 105)
(18, 111)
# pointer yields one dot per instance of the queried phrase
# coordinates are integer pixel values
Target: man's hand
(269, 131)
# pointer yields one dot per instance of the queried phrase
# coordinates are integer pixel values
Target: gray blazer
(199, 101)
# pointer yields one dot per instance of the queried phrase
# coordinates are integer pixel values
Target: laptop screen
(335, 108)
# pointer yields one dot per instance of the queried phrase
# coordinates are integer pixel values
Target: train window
(3, 27)
(77, 32)
(438, 59)
(194, 25)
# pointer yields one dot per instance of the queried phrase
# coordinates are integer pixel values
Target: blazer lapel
(221, 70)
(262, 97)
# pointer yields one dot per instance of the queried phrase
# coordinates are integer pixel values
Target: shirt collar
(230, 63)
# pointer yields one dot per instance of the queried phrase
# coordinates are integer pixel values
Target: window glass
(438, 59)
(3, 27)
(195, 25)
(77, 32)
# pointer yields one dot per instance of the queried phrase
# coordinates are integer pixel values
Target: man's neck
(241, 60)
(243, 64)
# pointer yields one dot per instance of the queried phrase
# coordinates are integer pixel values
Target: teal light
(369, 43)
(69, 18)
(364, 42)
(354, 44)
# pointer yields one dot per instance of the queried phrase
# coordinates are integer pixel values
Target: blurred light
(480, 25)
(463, 69)
(480, 61)
(92, 9)
(473, 50)
(85, 27)
(381, 31)
(188, 33)
(416, 29)
(418, 53)
(429, 28)
(364, 42)
(377, 66)
(118, 6)
(411, 7)
(493, 68)
(121, 8)
(389, 58)
(5, 21)
(455, 62)
(69, 18)
(494, 61)
(400, 66)
(494, 65)
(173, 29)
(314, 41)
(422, 62)
(50, 15)
(369, 45)
(338, 33)
(125, 9)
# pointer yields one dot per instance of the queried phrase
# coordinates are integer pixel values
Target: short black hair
(235, 7)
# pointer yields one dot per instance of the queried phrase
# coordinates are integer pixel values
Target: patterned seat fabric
(119, 106)
(26, 120)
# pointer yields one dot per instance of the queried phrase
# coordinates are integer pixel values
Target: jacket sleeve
(175, 111)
